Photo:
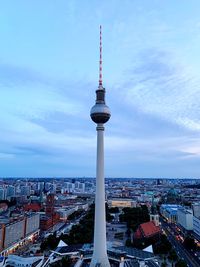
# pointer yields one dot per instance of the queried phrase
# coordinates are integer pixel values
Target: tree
(82, 232)
(114, 210)
(172, 256)
(163, 246)
(128, 232)
(189, 243)
(181, 263)
(134, 216)
(79, 234)
(109, 217)
(75, 214)
(50, 242)
(43, 245)
(66, 261)
(128, 242)
(11, 203)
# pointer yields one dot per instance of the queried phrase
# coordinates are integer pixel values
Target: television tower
(100, 114)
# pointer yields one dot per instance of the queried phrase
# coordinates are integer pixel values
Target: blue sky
(49, 54)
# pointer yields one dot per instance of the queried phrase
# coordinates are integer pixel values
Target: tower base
(100, 262)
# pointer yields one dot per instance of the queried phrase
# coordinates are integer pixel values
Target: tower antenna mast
(100, 59)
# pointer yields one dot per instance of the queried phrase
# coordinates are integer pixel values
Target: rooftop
(137, 253)
(146, 230)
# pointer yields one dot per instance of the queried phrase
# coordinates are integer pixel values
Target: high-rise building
(80, 187)
(10, 192)
(70, 187)
(100, 114)
(2, 193)
(25, 190)
(53, 188)
(48, 186)
(41, 186)
(18, 231)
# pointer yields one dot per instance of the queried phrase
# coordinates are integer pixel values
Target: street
(178, 246)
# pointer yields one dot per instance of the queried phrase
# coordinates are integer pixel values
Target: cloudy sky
(49, 52)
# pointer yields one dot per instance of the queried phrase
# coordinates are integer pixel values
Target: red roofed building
(51, 217)
(147, 230)
(46, 222)
(32, 207)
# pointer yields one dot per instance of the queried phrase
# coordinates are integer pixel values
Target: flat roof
(140, 254)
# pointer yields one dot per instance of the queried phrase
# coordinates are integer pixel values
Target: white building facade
(196, 209)
(196, 225)
(185, 218)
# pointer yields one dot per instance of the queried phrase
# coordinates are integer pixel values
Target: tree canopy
(181, 263)
(135, 216)
(163, 246)
(189, 243)
(79, 234)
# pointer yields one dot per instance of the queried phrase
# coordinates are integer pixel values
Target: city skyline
(49, 71)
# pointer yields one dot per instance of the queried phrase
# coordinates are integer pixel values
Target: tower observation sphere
(100, 112)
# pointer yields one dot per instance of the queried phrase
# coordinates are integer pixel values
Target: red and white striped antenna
(100, 60)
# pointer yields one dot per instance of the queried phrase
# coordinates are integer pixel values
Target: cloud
(12, 75)
(161, 87)
(41, 118)
(29, 93)
(6, 156)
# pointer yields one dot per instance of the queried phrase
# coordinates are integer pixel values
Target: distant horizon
(85, 177)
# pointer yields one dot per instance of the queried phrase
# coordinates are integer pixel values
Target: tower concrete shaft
(100, 114)
(100, 250)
